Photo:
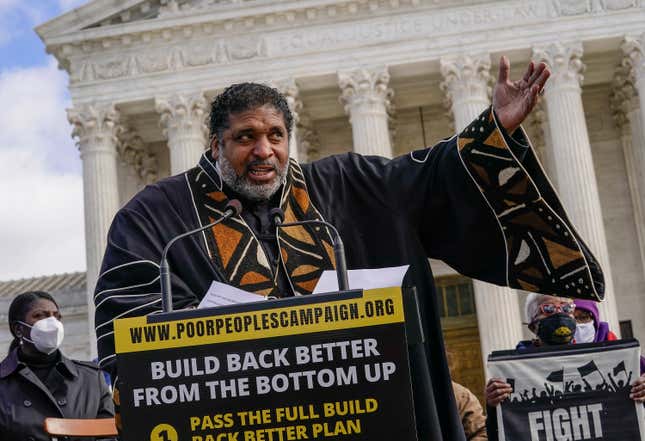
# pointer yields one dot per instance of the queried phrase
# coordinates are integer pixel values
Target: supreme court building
(377, 77)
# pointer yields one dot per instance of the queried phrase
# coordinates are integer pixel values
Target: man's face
(253, 154)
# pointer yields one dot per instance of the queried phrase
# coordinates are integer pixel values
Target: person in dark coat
(479, 201)
(38, 381)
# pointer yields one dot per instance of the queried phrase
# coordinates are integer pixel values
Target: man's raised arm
(540, 249)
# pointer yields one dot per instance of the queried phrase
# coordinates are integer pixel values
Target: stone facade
(379, 77)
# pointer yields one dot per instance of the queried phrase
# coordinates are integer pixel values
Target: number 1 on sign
(164, 432)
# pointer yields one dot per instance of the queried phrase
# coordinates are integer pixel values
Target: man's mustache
(265, 162)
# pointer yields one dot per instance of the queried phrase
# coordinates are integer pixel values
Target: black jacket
(25, 402)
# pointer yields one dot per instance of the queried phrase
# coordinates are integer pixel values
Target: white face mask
(46, 334)
(585, 332)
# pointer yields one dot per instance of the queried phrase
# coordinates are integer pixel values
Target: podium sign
(573, 392)
(269, 371)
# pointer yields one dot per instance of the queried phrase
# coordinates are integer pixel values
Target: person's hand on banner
(497, 390)
(638, 390)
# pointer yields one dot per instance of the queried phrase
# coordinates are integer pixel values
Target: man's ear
(214, 145)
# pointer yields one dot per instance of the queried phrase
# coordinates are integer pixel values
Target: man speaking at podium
(479, 201)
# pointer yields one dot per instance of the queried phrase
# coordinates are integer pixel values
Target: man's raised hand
(514, 100)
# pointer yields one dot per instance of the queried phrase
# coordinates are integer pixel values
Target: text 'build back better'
(263, 384)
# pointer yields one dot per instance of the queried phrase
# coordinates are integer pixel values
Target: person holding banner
(479, 201)
(569, 392)
(553, 322)
(550, 318)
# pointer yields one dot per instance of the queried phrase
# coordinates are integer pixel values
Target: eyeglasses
(551, 308)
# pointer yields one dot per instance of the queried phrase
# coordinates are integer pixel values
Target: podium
(324, 366)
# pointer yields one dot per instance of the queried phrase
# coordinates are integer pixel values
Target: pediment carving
(177, 8)
(152, 9)
(161, 60)
(144, 10)
(99, 14)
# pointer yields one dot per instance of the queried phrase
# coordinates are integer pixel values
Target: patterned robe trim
(543, 253)
(116, 398)
(305, 251)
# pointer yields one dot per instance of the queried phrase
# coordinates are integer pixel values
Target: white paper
(220, 294)
(363, 279)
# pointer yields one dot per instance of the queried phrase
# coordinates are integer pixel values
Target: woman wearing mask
(553, 321)
(589, 328)
(37, 380)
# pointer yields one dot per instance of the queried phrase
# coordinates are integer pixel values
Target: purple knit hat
(602, 328)
(589, 306)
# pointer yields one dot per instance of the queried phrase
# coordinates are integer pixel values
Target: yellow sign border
(124, 341)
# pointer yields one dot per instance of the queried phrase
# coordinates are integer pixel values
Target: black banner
(572, 393)
(344, 381)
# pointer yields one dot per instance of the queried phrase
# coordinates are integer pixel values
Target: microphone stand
(233, 208)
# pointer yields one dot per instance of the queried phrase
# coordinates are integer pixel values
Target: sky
(41, 188)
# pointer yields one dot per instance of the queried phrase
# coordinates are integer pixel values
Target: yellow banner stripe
(376, 307)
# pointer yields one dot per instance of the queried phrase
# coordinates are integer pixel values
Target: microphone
(233, 208)
(277, 214)
(339, 249)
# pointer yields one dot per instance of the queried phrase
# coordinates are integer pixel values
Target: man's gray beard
(244, 187)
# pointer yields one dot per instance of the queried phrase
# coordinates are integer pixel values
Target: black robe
(479, 201)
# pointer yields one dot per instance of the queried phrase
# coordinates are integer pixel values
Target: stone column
(148, 168)
(367, 100)
(183, 118)
(572, 158)
(541, 139)
(128, 182)
(289, 89)
(466, 85)
(634, 50)
(96, 128)
(130, 148)
(308, 140)
(627, 116)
